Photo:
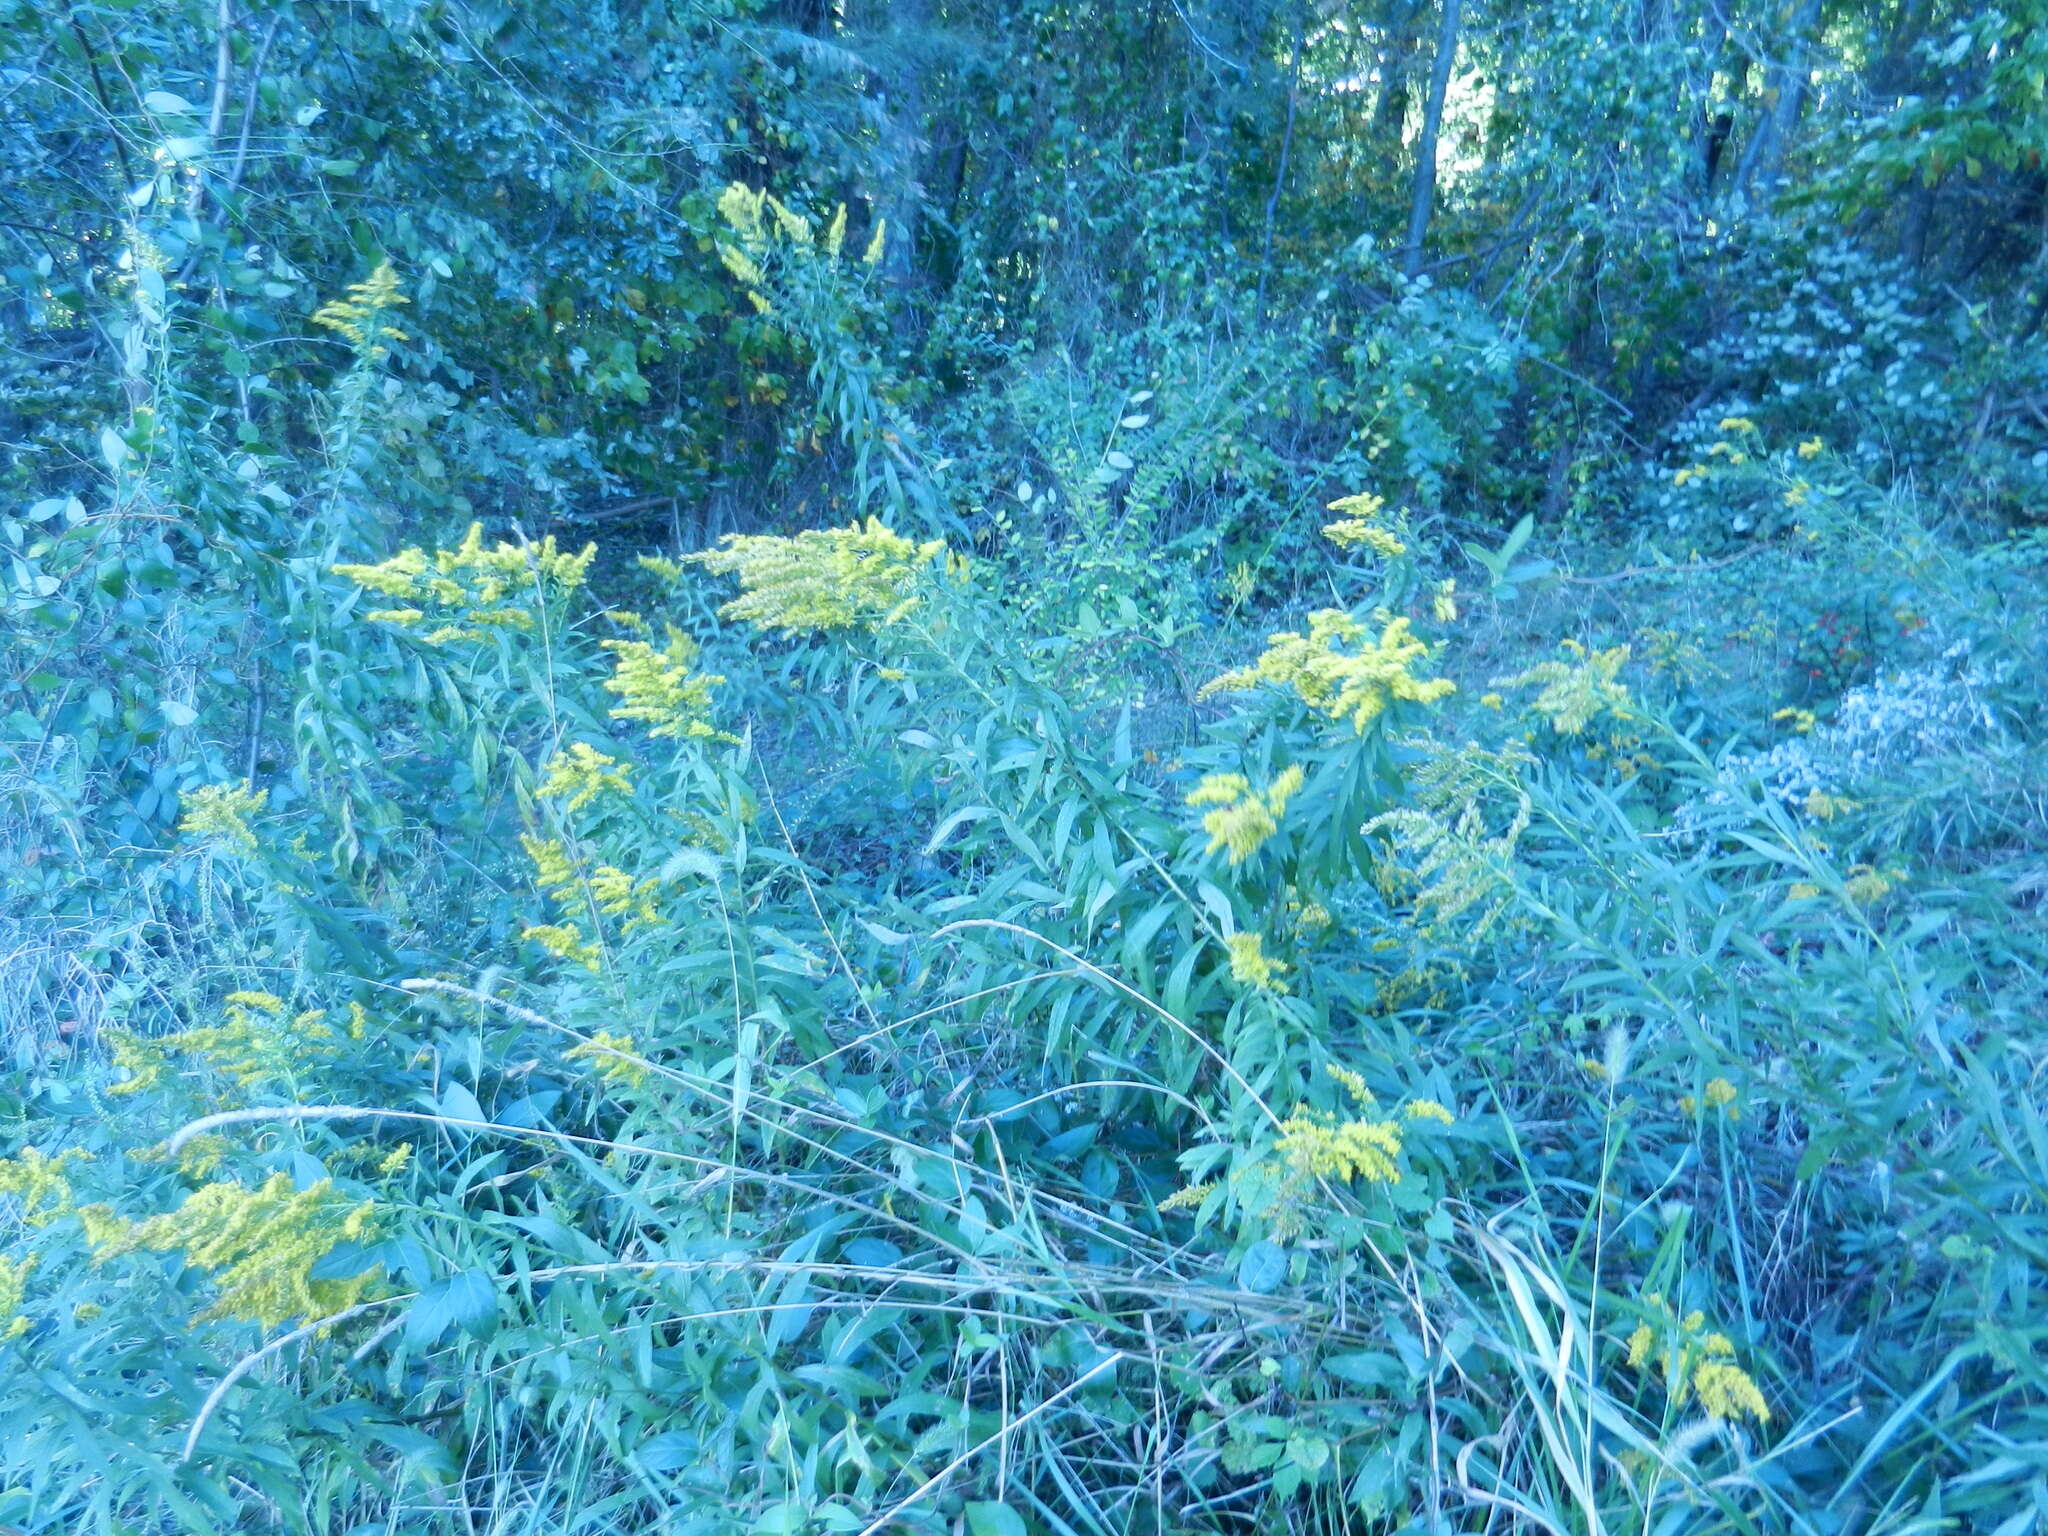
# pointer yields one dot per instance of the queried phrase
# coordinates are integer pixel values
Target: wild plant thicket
(1027, 769)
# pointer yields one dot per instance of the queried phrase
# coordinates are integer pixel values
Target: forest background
(1030, 769)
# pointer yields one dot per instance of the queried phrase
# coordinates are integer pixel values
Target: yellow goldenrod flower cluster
(609, 889)
(658, 689)
(1244, 818)
(1810, 449)
(361, 315)
(470, 591)
(1576, 691)
(37, 1184)
(1187, 1199)
(1322, 1146)
(1251, 965)
(564, 941)
(1348, 1149)
(1457, 866)
(580, 775)
(1697, 1363)
(1799, 721)
(1719, 1094)
(255, 1044)
(613, 1057)
(13, 1291)
(859, 577)
(1359, 525)
(1368, 1145)
(259, 1246)
(553, 871)
(1867, 883)
(756, 217)
(617, 893)
(1344, 684)
(1444, 603)
(219, 813)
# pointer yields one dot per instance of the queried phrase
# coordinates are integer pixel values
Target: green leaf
(995, 1520)
(1263, 1268)
(672, 1451)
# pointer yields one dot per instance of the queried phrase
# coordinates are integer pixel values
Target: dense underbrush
(812, 1052)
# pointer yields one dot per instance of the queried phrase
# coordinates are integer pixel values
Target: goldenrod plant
(1022, 770)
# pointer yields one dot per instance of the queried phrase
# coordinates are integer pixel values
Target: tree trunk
(1786, 83)
(907, 21)
(1425, 148)
(1390, 112)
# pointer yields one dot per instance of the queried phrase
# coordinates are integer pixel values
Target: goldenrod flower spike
(470, 590)
(1251, 965)
(658, 689)
(861, 577)
(579, 775)
(1345, 684)
(1575, 691)
(1243, 819)
(360, 316)
(219, 813)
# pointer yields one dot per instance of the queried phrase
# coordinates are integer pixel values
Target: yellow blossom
(1444, 604)
(259, 1247)
(1810, 448)
(13, 1291)
(1735, 424)
(1251, 965)
(37, 1184)
(565, 942)
(1866, 883)
(1358, 526)
(614, 1058)
(1727, 1392)
(471, 591)
(1243, 819)
(1428, 1109)
(219, 814)
(254, 1044)
(858, 577)
(1347, 1149)
(553, 871)
(658, 689)
(617, 893)
(361, 315)
(581, 774)
(1344, 684)
(1575, 691)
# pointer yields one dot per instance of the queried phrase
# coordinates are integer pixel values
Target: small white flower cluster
(1887, 725)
